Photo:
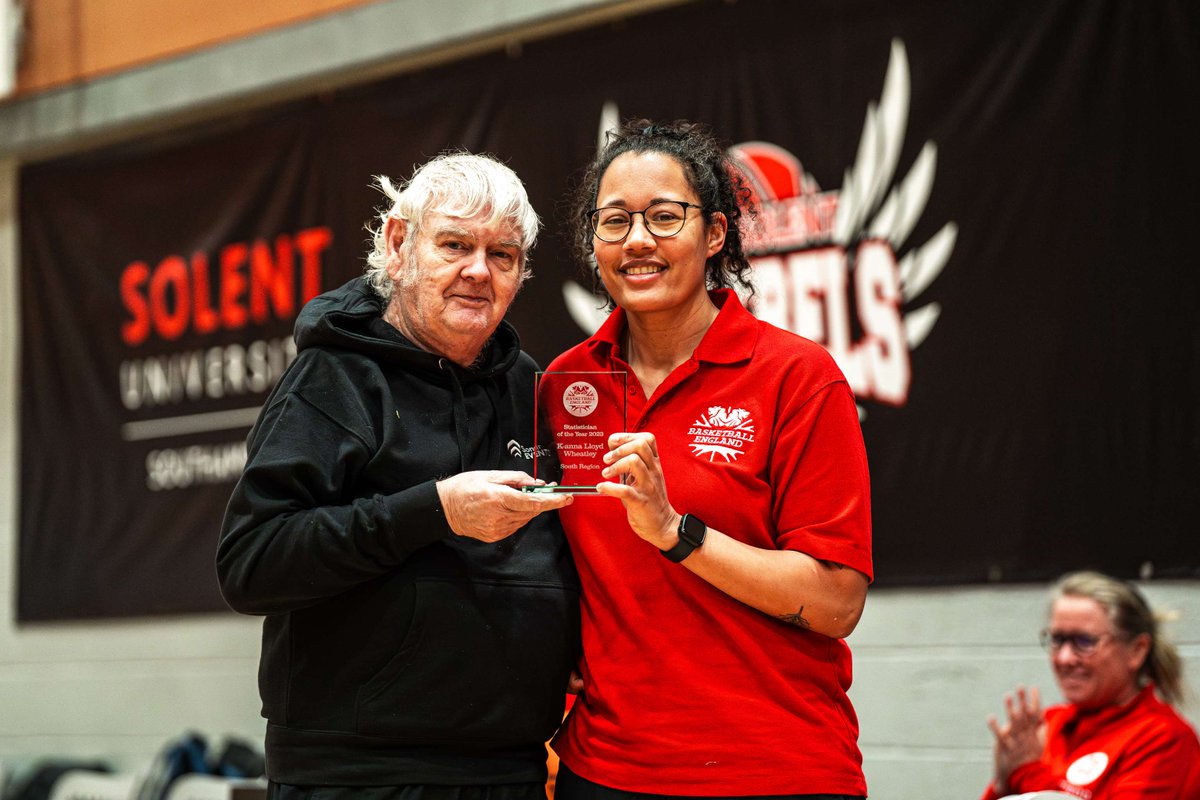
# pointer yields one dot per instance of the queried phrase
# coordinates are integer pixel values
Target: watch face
(692, 530)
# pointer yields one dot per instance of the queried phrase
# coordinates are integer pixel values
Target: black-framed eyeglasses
(663, 219)
(1082, 643)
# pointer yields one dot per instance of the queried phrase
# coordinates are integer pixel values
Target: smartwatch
(691, 536)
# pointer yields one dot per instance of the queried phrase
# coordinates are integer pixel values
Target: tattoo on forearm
(796, 619)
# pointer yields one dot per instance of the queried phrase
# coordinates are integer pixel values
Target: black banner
(981, 210)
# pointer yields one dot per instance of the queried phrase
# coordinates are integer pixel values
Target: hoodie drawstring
(462, 430)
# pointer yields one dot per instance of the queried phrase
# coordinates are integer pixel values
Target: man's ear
(395, 231)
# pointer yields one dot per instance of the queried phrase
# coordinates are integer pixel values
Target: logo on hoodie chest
(518, 450)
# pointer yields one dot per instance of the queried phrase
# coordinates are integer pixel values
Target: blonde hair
(457, 184)
(1131, 616)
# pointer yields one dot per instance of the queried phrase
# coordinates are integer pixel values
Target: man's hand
(489, 506)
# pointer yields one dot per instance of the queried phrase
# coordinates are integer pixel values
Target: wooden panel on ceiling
(50, 56)
(72, 40)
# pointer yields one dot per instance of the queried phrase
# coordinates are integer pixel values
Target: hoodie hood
(343, 319)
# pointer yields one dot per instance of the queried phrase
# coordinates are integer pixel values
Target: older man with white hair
(420, 610)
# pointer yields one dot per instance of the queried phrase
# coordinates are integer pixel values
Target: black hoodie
(394, 651)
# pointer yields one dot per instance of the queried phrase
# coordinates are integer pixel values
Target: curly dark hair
(710, 172)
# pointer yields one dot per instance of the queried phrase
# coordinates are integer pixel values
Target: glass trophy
(574, 414)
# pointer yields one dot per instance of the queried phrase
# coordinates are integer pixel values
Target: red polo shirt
(1142, 750)
(689, 691)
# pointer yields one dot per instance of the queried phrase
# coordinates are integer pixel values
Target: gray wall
(930, 664)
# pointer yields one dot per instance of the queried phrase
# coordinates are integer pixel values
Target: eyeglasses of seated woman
(1083, 644)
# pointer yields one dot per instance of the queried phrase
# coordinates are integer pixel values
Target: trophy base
(555, 489)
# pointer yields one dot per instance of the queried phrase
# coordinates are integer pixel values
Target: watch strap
(692, 531)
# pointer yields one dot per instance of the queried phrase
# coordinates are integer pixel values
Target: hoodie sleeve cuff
(418, 518)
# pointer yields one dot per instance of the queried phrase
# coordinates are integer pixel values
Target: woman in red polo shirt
(1113, 739)
(721, 576)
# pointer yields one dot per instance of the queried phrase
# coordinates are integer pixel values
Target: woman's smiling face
(1108, 675)
(647, 273)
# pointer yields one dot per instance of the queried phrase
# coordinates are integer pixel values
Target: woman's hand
(1019, 740)
(791, 586)
(634, 456)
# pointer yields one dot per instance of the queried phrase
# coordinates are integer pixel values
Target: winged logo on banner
(860, 215)
(871, 206)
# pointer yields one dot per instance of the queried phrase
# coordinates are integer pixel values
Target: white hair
(457, 184)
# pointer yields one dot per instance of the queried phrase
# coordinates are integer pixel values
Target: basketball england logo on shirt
(722, 431)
